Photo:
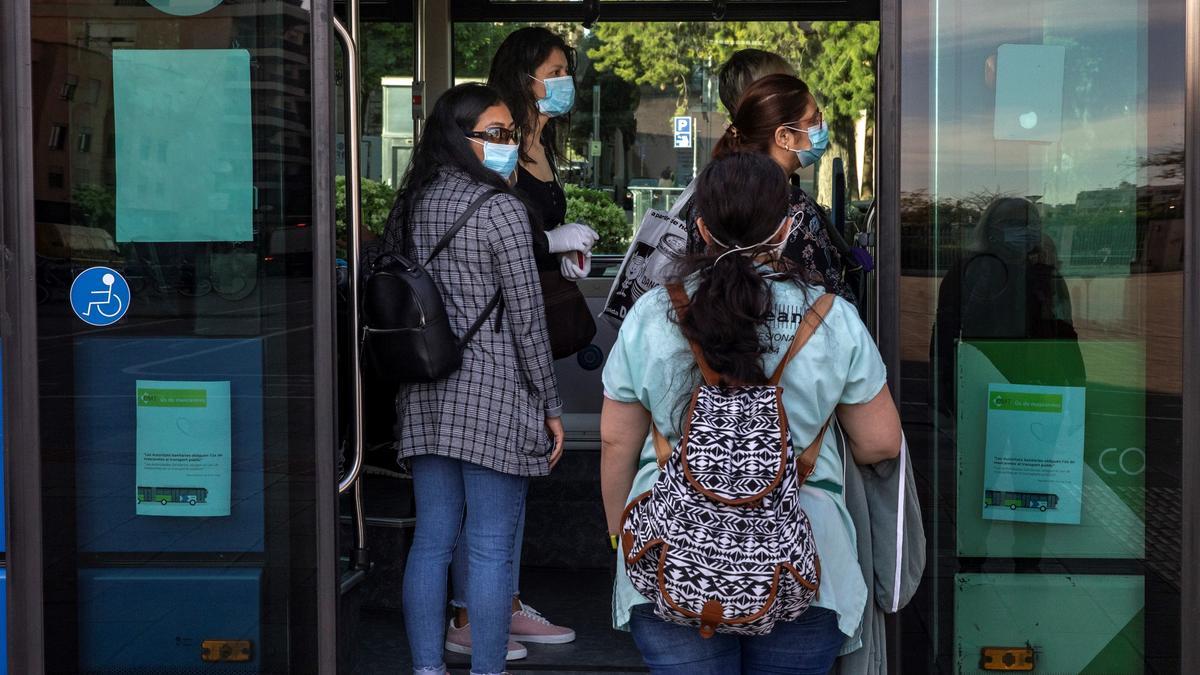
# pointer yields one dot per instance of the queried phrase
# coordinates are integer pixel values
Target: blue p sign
(99, 296)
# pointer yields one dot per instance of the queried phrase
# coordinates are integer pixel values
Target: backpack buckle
(711, 616)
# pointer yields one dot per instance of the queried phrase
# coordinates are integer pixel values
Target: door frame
(324, 333)
(18, 326)
(1189, 606)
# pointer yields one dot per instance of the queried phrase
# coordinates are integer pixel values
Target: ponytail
(724, 318)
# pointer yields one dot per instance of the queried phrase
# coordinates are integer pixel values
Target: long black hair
(743, 199)
(443, 146)
(511, 74)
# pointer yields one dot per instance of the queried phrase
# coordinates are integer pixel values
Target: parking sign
(683, 131)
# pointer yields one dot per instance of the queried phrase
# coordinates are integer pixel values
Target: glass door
(177, 238)
(1041, 323)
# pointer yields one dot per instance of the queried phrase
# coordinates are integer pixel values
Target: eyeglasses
(497, 135)
(817, 121)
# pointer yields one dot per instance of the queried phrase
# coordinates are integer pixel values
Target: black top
(550, 205)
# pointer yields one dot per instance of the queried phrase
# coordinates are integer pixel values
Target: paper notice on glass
(1033, 470)
(183, 448)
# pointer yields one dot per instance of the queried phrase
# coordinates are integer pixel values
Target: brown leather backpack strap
(812, 319)
(807, 460)
(662, 447)
(680, 300)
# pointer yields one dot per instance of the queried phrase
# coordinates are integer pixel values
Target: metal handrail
(353, 225)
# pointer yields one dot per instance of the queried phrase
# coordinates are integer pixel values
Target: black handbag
(568, 319)
(406, 333)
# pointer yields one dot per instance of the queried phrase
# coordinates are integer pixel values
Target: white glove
(571, 237)
(571, 269)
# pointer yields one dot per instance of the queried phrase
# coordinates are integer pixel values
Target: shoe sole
(546, 639)
(513, 655)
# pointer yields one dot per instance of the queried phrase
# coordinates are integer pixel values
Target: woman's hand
(572, 237)
(574, 265)
(555, 426)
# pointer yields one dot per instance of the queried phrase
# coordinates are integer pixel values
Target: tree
(836, 58)
(839, 64)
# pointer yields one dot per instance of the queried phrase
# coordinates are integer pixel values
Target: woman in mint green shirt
(746, 303)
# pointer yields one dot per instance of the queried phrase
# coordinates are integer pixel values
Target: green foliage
(475, 44)
(596, 209)
(836, 58)
(95, 206)
(377, 199)
(839, 64)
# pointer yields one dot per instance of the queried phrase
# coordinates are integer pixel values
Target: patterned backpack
(720, 542)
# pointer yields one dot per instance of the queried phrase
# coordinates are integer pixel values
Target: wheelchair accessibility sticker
(99, 296)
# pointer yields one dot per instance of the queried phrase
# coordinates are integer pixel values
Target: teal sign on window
(184, 145)
(184, 7)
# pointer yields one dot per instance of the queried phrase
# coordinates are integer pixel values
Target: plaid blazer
(492, 411)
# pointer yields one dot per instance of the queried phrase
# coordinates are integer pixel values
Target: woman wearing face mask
(474, 439)
(744, 304)
(533, 72)
(778, 116)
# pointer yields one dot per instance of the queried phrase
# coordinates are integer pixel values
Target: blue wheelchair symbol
(99, 296)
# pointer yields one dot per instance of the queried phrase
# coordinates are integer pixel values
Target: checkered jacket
(492, 411)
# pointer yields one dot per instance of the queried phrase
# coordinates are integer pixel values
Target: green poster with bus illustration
(1106, 380)
(183, 448)
(1033, 464)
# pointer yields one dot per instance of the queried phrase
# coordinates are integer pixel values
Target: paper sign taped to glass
(1033, 467)
(183, 448)
(661, 239)
(184, 145)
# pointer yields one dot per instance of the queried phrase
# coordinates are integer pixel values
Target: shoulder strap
(458, 224)
(483, 317)
(807, 460)
(813, 318)
(680, 299)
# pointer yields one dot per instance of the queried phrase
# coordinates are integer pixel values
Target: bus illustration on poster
(1033, 469)
(183, 448)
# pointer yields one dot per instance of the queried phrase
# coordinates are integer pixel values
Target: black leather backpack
(406, 333)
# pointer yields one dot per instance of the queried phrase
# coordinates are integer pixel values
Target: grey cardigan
(492, 412)
(882, 501)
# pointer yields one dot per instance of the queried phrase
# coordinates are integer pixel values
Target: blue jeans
(807, 646)
(493, 502)
(459, 567)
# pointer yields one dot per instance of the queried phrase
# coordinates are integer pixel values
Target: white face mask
(774, 248)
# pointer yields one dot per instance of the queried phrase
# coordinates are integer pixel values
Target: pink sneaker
(528, 625)
(458, 640)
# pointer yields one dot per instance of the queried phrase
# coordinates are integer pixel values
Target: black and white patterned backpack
(720, 542)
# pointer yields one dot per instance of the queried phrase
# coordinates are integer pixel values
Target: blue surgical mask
(818, 140)
(499, 157)
(560, 95)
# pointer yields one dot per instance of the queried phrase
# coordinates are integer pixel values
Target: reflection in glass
(1041, 252)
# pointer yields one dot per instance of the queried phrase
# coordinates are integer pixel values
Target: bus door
(621, 157)
(184, 252)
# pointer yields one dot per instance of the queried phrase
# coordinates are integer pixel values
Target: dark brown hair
(513, 66)
(733, 302)
(767, 104)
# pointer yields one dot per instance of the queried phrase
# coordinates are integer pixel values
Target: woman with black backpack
(475, 437)
(722, 480)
